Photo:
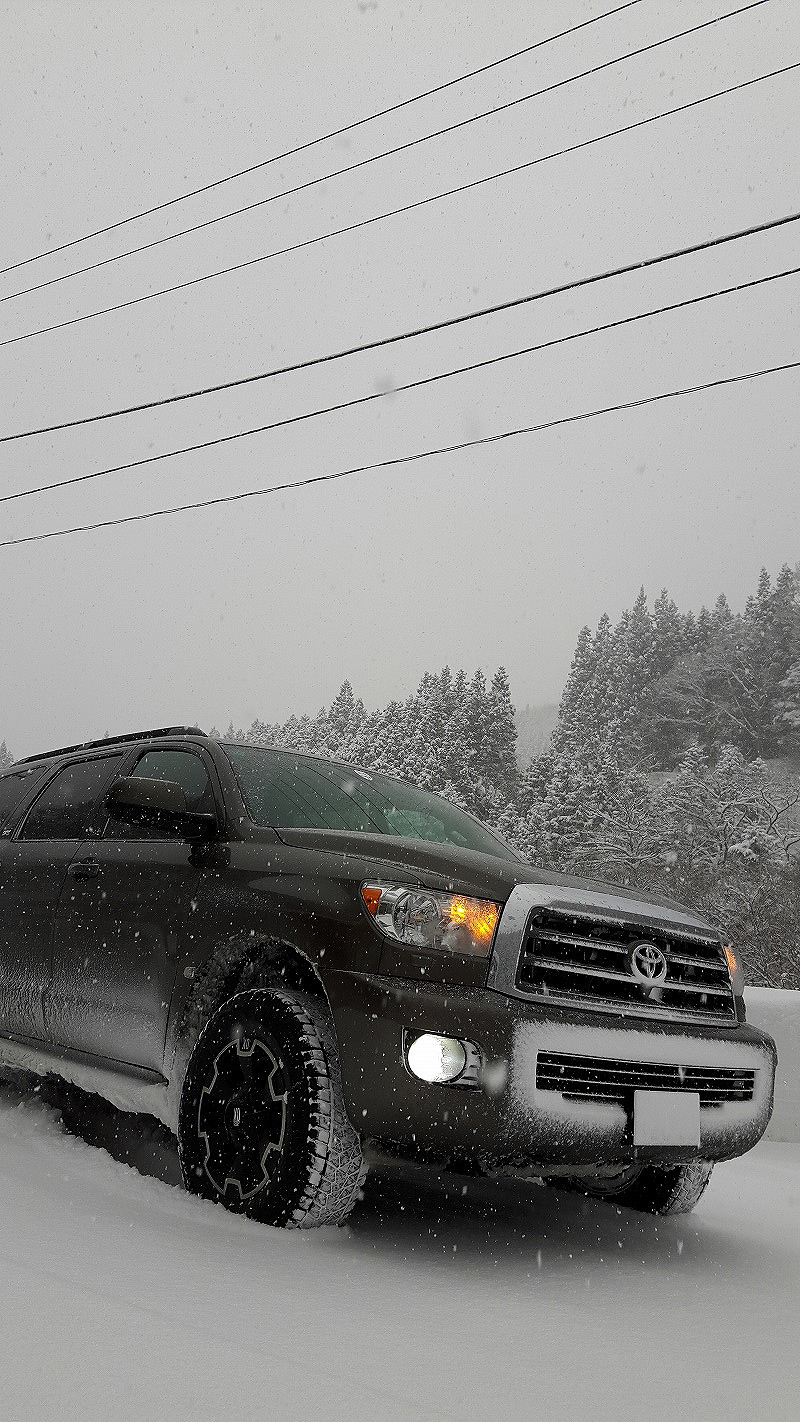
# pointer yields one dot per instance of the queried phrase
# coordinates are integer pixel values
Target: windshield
(288, 791)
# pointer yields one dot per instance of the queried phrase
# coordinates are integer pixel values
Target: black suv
(301, 967)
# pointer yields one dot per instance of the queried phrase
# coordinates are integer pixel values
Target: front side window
(65, 807)
(289, 791)
(179, 767)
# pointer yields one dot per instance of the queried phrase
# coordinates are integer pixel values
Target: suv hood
(446, 866)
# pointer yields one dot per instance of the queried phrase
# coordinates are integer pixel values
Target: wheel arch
(251, 961)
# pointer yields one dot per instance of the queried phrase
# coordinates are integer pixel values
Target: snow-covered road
(121, 1296)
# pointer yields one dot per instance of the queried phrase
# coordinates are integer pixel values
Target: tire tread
(332, 1170)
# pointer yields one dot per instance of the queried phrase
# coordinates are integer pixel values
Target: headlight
(735, 970)
(424, 918)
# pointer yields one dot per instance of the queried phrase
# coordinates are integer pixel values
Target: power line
(397, 211)
(323, 138)
(405, 458)
(398, 389)
(447, 323)
(386, 153)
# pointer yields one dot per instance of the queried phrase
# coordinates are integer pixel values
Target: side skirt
(129, 1088)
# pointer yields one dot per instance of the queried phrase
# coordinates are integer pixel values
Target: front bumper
(507, 1120)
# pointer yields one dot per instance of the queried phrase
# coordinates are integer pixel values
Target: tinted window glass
(180, 768)
(64, 808)
(299, 792)
(14, 787)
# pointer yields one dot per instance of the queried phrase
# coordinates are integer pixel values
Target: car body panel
(30, 888)
(118, 936)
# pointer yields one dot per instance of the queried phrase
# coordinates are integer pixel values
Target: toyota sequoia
(301, 967)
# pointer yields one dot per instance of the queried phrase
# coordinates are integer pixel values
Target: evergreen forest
(674, 766)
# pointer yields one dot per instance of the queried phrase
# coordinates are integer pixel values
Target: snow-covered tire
(657, 1189)
(262, 1127)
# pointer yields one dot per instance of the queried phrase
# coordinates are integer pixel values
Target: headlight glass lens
(425, 918)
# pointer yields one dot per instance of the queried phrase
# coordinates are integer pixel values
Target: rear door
(124, 923)
(34, 867)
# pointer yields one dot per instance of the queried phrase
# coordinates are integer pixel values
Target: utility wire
(399, 389)
(396, 211)
(323, 138)
(449, 322)
(403, 459)
(386, 153)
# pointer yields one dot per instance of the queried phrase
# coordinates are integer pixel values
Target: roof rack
(161, 731)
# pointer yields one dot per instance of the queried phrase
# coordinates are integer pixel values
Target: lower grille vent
(606, 1079)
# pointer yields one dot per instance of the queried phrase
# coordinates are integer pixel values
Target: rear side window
(13, 789)
(64, 808)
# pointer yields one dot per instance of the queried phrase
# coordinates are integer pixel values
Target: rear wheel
(262, 1127)
(658, 1189)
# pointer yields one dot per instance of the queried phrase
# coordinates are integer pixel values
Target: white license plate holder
(666, 1118)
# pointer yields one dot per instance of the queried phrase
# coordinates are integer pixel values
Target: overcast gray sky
(495, 555)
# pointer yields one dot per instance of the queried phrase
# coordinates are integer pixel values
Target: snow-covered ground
(121, 1296)
(777, 1011)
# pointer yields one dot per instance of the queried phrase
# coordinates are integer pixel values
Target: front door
(124, 923)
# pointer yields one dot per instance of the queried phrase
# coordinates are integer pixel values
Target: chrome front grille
(589, 960)
(606, 1079)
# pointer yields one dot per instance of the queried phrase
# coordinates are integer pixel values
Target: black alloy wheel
(242, 1115)
(262, 1126)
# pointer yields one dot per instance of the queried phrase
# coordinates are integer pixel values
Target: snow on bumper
(595, 1130)
(508, 1118)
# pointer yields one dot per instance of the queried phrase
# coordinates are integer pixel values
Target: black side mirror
(158, 804)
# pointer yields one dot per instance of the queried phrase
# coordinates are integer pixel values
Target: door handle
(84, 869)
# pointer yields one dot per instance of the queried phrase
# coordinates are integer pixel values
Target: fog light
(434, 1058)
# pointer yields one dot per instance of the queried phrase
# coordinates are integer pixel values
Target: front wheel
(657, 1189)
(262, 1127)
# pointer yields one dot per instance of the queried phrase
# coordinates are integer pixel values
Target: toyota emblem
(648, 964)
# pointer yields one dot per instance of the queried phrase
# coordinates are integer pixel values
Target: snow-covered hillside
(123, 1297)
